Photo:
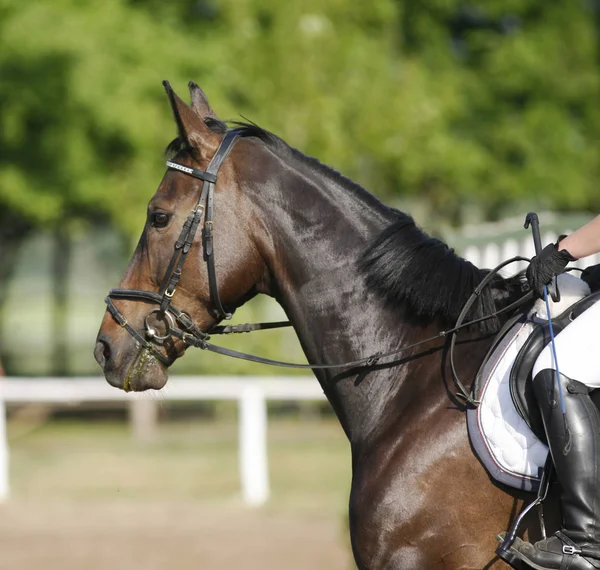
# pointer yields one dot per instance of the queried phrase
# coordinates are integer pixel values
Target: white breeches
(577, 349)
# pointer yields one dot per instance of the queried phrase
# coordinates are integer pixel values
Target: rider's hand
(591, 275)
(543, 267)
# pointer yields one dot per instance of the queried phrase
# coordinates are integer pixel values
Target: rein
(179, 324)
(375, 358)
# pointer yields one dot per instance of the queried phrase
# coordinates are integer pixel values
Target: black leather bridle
(173, 317)
(179, 324)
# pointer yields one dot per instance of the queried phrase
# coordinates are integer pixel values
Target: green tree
(494, 104)
(491, 102)
(527, 80)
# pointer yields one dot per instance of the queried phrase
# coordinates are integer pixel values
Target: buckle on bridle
(185, 320)
(185, 338)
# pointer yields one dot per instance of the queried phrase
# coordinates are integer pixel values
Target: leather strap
(122, 321)
(203, 206)
(570, 547)
(195, 172)
(463, 393)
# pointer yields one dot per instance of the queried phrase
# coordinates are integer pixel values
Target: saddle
(506, 430)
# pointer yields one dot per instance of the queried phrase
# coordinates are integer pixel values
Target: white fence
(251, 394)
(491, 254)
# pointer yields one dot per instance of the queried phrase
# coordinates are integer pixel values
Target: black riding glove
(543, 267)
(591, 275)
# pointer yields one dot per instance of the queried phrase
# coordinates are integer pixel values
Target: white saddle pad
(509, 450)
(505, 444)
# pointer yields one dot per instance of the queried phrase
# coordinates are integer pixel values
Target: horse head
(166, 292)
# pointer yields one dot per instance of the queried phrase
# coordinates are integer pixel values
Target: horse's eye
(159, 219)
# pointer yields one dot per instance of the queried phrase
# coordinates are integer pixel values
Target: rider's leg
(576, 449)
(578, 349)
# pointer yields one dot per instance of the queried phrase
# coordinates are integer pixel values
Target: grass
(309, 463)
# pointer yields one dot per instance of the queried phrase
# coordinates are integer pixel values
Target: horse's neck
(321, 230)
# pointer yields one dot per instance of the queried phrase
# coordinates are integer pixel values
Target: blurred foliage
(441, 99)
(83, 114)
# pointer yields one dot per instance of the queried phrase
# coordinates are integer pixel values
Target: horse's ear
(200, 103)
(191, 127)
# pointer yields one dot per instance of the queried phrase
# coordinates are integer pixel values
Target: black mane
(426, 278)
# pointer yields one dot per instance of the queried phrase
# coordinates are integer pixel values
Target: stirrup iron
(503, 551)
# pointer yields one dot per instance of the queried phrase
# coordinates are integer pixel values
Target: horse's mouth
(143, 372)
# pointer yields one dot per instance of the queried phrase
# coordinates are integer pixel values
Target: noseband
(167, 312)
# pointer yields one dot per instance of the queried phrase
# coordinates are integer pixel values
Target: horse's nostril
(102, 352)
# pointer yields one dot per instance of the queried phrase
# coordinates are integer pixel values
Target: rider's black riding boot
(576, 456)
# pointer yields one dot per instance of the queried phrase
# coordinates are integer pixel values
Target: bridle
(179, 324)
(166, 311)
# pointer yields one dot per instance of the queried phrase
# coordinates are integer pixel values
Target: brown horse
(356, 278)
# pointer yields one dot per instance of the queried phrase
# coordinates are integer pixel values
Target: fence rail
(491, 254)
(251, 393)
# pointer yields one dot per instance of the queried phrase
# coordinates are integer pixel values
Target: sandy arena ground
(161, 536)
